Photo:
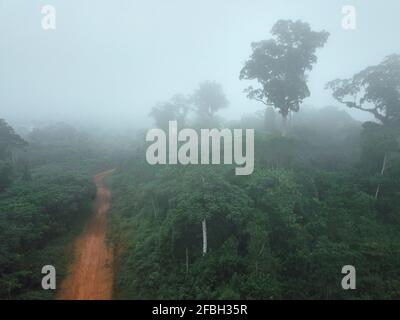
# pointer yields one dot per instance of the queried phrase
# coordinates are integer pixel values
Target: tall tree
(176, 108)
(205, 194)
(209, 98)
(375, 89)
(280, 66)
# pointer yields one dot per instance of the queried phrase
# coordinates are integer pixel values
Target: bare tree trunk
(382, 173)
(204, 226)
(284, 125)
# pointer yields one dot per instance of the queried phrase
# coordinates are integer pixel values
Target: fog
(199, 149)
(108, 62)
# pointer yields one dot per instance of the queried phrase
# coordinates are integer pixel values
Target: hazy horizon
(109, 63)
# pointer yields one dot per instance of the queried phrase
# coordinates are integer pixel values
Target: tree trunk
(382, 173)
(204, 226)
(284, 125)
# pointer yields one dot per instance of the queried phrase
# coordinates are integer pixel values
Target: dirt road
(90, 275)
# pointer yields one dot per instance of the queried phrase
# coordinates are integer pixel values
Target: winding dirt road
(90, 275)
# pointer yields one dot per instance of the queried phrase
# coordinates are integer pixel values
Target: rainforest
(253, 154)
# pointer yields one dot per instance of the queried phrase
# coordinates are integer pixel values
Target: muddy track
(90, 275)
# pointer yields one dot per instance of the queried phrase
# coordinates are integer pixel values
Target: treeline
(324, 193)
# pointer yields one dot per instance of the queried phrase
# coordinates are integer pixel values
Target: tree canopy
(176, 109)
(209, 98)
(9, 140)
(280, 65)
(375, 89)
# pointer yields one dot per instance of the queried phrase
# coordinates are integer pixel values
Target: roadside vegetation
(46, 196)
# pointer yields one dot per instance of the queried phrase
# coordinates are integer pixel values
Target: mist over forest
(109, 64)
(89, 92)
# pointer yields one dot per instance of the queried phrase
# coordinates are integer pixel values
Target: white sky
(111, 60)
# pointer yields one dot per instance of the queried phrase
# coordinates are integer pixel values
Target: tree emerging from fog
(375, 89)
(209, 98)
(280, 65)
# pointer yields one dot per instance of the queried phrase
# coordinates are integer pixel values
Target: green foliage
(375, 89)
(279, 65)
(9, 140)
(34, 216)
(9, 143)
(284, 232)
(47, 193)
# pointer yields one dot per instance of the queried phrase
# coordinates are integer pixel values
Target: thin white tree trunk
(204, 227)
(284, 125)
(382, 172)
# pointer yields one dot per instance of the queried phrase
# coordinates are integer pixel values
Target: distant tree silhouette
(209, 98)
(280, 65)
(176, 108)
(375, 89)
(9, 140)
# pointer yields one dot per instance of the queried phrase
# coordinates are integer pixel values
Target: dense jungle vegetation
(324, 193)
(46, 194)
(286, 231)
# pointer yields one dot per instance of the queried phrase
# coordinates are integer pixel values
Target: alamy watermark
(349, 20)
(188, 153)
(349, 281)
(49, 17)
(49, 280)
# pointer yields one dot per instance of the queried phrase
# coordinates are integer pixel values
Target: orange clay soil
(90, 275)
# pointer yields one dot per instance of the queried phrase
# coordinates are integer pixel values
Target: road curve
(90, 275)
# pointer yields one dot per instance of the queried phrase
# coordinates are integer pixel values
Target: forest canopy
(322, 193)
